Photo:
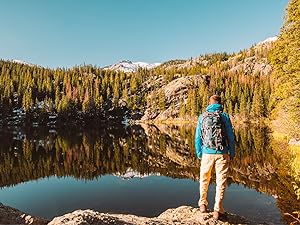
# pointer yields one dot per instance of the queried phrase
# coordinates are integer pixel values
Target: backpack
(213, 132)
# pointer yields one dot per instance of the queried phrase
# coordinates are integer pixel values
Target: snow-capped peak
(268, 40)
(128, 66)
(22, 62)
(130, 173)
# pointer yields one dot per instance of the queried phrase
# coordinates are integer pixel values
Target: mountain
(268, 40)
(22, 62)
(131, 173)
(174, 89)
(128, 66)
(180, 85)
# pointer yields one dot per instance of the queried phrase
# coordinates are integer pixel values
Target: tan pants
(221, 163)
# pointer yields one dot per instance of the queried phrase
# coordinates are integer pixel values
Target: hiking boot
(203, 208)
(217, 215)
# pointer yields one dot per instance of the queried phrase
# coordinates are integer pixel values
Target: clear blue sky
(64, 33)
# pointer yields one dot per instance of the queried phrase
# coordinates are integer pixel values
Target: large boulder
(175, 92)
(10, 215)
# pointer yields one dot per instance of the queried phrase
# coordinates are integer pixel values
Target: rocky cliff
(183, 83)
(175, 92)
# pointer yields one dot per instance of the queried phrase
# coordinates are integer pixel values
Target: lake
(138, 169)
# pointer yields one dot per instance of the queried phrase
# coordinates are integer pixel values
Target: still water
(146, 197)
(142, 170)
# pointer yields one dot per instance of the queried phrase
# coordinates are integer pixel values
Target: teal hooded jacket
(230, 149)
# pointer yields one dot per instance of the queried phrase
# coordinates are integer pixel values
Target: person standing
(214, 143)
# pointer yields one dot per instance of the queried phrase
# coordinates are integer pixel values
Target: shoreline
(238, 122)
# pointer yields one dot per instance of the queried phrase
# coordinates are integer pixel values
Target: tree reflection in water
(146, 149)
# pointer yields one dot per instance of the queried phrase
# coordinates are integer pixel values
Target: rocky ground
(181, 215)
(10, 215)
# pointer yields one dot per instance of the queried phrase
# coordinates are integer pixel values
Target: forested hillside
(89, 92)
(285, 59)
(78, 92)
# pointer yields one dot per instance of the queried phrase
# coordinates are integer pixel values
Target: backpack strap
(203, 131)
(223, 130)
(218, 114)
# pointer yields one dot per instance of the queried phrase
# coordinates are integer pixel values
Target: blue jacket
(228, 130)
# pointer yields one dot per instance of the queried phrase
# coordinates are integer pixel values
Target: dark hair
(215, 99)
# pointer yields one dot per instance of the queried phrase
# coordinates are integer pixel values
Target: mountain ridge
(176, 89)
(128, 66)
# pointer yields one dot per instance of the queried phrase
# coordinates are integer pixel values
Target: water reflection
(139, 150)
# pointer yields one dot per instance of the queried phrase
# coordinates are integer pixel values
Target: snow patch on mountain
(130, 173)
(268, 40)
(22, 62)
(128, 66)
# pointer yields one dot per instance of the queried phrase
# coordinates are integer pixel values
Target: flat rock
(181, 215)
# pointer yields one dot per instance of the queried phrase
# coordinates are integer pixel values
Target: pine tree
(116, 93)
(204, 99)
(243, 106)
(27, 101)
(125, 94)
(86, 102)
(182, 110)
(229, 106)
(257, 104)
(162, 100)
(236, 109)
